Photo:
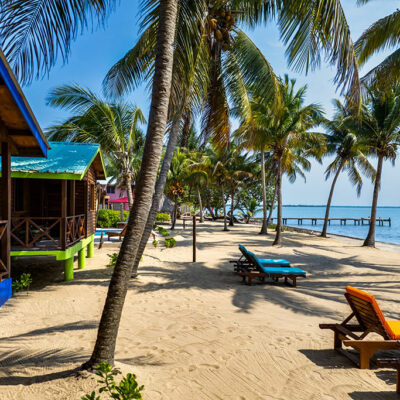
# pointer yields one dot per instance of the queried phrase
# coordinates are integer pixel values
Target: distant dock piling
(342, 221)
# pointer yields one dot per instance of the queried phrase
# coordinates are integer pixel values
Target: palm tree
(115, 126)
(379, 127)
(254, 137)
(177, 176)
(330, 33)
(349, 153)
(108, 329)
(290, 141)
(379, 36)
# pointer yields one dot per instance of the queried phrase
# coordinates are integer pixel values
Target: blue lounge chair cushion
(283, 270)
(274, 261)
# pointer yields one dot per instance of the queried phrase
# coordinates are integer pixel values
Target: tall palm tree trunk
(174, 213)
(328, 204)
(129, 193)
(264, 227)
(155, 204)
(232, 208)
(104, 348)
(370, 239)
(224, 207)
(271, 209)
(121, 212)
(278, 235)
(200, 204)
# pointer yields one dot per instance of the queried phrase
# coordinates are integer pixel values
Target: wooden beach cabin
(54, 203)
(20, 135)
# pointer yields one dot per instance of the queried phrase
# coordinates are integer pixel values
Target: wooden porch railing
(47, 233)
(75, 229)
(4, 257)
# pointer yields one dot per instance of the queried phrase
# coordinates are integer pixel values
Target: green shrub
(163, 217)
(127, 389)
(113, 259)
(109, 218)
(155, 243)
(169, 243)
(162, 231)
(23, 283)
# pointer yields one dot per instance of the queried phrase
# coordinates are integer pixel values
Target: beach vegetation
(23, 283)
(155, 243)
(127, 389)
(169, 243)
(115, 126)
(109, 218)
(163, 217)
(350, 152)
(379, 126)
(112, 259)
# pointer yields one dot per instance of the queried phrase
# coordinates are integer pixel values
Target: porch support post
(5, 193)
(81, 259)
(90, 249)
(64, 203)
(69, 269)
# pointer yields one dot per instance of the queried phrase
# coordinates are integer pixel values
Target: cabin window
(19, 195)
(110, 189)
(92, 198)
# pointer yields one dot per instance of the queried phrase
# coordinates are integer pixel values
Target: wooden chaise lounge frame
(370, 319)
(119, 234)
(255, 271)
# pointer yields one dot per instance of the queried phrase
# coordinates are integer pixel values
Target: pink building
(113, 196)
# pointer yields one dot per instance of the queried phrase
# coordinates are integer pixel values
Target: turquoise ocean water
(383, 233)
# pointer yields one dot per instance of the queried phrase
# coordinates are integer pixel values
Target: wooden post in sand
(194, 238)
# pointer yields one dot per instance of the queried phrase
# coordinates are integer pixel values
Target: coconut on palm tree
(350, 155)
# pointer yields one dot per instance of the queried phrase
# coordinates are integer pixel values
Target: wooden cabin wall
(91, 200)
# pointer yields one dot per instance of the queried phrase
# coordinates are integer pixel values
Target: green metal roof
(65, 160)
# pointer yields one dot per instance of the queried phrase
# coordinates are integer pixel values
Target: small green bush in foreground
(113, 259)
(127, 389)
(163, 217)
(23, 283)
(169, 243)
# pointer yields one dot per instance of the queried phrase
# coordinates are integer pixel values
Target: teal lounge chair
(255, 268)
(273, 262)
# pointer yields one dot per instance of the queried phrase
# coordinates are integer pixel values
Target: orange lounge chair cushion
(392, 327)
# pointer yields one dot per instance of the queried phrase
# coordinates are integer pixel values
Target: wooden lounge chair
(391, 363)
(366, 311)
(119, 234)
(245, 261)
(266, 271)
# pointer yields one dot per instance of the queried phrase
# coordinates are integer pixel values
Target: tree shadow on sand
(14, 365)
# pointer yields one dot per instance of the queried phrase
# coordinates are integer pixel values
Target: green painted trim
(90, 249)
(45, 175)
(81, 259)
(60, 254)
(69, 269)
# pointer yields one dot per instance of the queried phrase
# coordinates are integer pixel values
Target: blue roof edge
(22, 106)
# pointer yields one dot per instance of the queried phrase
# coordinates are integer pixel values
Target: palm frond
(34, 33)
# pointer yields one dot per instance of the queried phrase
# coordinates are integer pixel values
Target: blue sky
(95, 52)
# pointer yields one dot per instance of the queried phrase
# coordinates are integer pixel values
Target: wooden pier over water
(343, 221)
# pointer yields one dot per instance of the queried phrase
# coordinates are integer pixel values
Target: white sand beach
(193, 330)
